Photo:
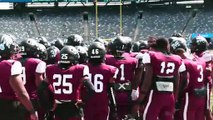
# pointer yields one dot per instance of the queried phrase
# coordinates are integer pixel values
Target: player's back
(196, 69)
(28, 75)
(6, 92)
(66, 82)
(126, 68)
(164, 65)
(100, 77)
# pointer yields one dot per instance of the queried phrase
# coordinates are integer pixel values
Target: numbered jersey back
(197, 73)
(66, 83)
(126, 68)
(100, 77)
(164, 65)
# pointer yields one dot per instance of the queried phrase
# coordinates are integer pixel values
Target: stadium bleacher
(61, 23)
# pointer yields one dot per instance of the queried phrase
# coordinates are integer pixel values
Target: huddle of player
(118, 80)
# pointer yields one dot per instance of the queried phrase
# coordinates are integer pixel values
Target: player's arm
(136, 80)
(182, 85)
(113, 104)
(146, 83)
(180, 82)
(87, 83)
(138, 71)
(112, 95)
(39, 74)
(17, 85)
(176, 85)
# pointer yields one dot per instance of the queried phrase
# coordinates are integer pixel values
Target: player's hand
(135, 94)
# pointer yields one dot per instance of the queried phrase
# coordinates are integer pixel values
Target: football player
(33, 70)
(199, 46)
(67, 79)
(192, 91)
(160, 82)
(102, 77)
(12, 88)
(125, 84)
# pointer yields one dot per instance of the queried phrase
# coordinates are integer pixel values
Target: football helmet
(43, 41)
(68, 56)
(8, 47)
(101, 41)
(53, 55)
(177, 35)
(96, 53)
(139, 45)
(74, 40)
(128, 43)
(28, 48)
(58, 43)
(199, 44)
(83, 54)
(41, 51)
(119, 44)
(176, 45)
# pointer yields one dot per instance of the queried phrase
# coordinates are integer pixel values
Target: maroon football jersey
(66, 83)
(126, 68)
(100, 76)
(196, 69)
(165, 68)
(163, 65)
(30, 65)
(6, 92)
(124, 77)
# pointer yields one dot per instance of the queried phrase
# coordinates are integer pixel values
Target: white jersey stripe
(148, 105)
(208, 104)
(186, 106)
